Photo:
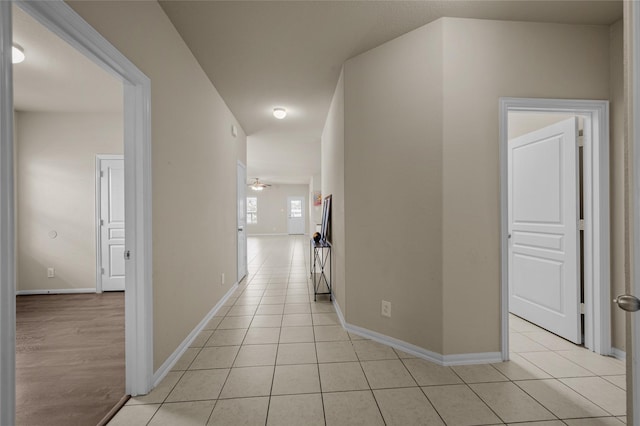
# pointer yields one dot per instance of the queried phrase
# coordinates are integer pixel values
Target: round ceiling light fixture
(279, 113)
(17, 54)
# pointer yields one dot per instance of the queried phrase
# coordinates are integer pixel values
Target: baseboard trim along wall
(56, 291)
(618, 354)
(445, 360)
(166, 367)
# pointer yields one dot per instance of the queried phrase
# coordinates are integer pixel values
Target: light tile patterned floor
(272, 356)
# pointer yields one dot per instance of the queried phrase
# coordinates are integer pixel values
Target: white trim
(166, 367)
(7, 226)
(445, 360)
(473, 359)
(56, 291)
(633, 8)
(59, 18)
(267, 235)
(596, 211)
(618, 354)
(98, 211)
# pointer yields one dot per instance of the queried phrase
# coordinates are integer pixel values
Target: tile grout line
(273, 272)
(423, 393)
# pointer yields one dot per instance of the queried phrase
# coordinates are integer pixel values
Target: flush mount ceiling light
(279, 113)
(17, 54)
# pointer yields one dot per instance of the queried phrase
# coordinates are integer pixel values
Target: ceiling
(263, 54)
(57, 78)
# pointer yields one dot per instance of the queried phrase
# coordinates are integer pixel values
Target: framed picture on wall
(325, 230)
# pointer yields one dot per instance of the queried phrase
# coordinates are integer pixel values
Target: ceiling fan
(256, 185)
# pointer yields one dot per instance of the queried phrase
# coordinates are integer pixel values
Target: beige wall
(617, 162)
(272, 208)
(421, 168)
(194, 160)
(393, 187)
(56, 169)
(332, 178)
(483, 61)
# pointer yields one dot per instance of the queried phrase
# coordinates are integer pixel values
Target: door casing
(632, 35)
(63, 21)
(597, 328)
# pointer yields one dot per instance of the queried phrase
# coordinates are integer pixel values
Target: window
(295, 208)
(252, 210)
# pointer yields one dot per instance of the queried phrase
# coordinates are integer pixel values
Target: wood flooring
(70, 365)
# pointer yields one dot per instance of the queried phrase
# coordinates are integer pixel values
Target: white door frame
(99, 159)
(59, 18)
(7, 226)
(633, 127)
(596, 214)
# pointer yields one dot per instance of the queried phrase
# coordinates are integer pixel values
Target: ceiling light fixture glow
(17, 54)
(279, 113)
(257, 187)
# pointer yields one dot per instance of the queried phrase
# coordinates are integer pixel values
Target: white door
(544, 272)
(242, 221)
(295, 211)
(112, 223)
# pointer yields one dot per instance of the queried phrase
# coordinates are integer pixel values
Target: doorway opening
(64, 22)
(593, 252)
(65, 114)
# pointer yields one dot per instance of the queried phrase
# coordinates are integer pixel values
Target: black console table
(320, 265)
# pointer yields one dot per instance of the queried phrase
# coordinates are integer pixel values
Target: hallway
(273, 356)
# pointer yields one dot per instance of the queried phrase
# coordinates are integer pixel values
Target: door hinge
(101, 222)
(101, 173)
(580, 141)
(582, 308)
(581, 224)
(102, 271)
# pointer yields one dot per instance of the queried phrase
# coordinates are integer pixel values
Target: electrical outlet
(51, 272)
(386, 309)
(222, 278)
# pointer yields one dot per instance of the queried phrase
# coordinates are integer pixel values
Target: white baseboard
(166, 367)
(266, 235)
(445, 360)
(56, 291)
(618, 354)
(468, 359)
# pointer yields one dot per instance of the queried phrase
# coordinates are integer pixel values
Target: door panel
(544, 269)
(112, 224)
(242, 221)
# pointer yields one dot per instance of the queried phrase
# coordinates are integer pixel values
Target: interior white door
(112, 224)
(295, 211)
(544, 269)
(242, 221)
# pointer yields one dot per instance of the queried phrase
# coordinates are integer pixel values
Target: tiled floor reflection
(275, 357)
